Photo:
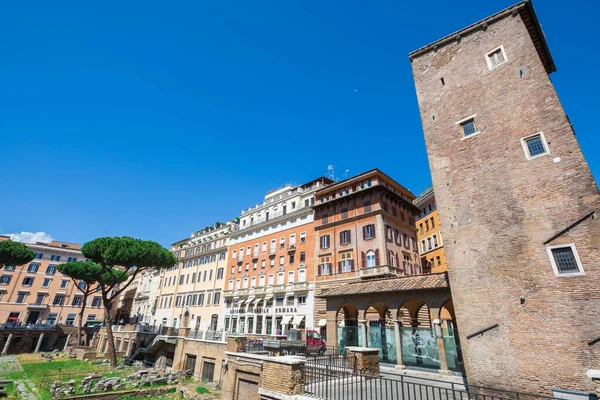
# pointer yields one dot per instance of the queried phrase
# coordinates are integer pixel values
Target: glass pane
(419, 348)
(349, 336)
(535, 146)
(468, 128)
(452, 349)
(382, 338)
(565, 260)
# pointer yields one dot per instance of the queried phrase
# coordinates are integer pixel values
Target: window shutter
(363, 259)
(373, 229)
(339, 267)
(329, 268)
(342, 237)
(349, 236)
(389, 258)
(376, 256)
(351, 265)
(364, 232)
(397, 261)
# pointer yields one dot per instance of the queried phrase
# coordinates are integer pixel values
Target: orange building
(270, 273)
(36, 293)
(364, 228)
(429, 236)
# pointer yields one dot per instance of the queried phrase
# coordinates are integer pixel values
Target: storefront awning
(250, 300)
(286, 319)
(268, 297)
(322, 322)
(239, 303)
(298, 319)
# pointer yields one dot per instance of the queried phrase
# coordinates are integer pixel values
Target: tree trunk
(80, 325)
(112, 354)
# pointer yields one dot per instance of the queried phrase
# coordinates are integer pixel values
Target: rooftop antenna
(330, 173)
(346, 174)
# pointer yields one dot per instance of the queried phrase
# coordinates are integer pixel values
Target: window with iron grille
(468, 127)
(565, 260)
(534, 145)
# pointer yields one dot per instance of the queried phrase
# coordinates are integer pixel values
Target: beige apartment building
(190, 294)
(36, 293)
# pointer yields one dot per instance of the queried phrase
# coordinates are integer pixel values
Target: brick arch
(348, 314)
(375, 309)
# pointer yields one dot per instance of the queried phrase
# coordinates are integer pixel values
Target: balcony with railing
(379, 271)
(36, 327)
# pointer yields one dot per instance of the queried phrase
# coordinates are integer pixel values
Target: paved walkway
(8, 365)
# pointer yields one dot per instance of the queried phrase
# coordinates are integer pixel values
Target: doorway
(33, 317)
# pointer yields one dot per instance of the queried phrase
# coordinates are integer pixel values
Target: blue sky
(148, 120)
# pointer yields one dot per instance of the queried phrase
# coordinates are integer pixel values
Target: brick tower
(518, 205)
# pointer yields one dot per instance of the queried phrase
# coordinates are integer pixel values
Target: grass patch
(42, 373)
(201, 390)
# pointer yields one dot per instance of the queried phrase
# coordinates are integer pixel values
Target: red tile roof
(399, 284)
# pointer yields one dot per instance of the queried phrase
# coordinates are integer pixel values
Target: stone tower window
(496, 57)
(467, 127)
(534, 145)
(565, 260)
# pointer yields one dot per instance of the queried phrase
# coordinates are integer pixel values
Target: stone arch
(375, 311)
(410, 309)
(347, 315)
(447, 311)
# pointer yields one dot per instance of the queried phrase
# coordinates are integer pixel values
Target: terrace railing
(325, 381)
(39, 327)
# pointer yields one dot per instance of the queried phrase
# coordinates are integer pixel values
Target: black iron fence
(324, 381)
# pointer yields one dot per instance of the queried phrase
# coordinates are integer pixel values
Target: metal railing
(218, 336)
(335, 383)
(37, 327)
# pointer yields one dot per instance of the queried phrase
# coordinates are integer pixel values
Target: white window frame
(524, 139)
(301, 275)
(302, 237)
(462, 132)
(488, 59)
(575, 254)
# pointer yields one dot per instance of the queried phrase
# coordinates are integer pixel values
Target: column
(398, 338)
(39, 344)
(67, 342)
(332, 328)
(263, 331)
(365, 331)
(441, 347)
(129, 347)
(7, 344)
(273, 325)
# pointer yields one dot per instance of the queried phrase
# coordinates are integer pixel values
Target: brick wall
(497, 209)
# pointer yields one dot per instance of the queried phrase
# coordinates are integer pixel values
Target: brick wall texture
(497, 209)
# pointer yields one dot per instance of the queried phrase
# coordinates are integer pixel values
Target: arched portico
(408, 326)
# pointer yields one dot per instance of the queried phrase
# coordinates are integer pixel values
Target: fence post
(327, 381)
